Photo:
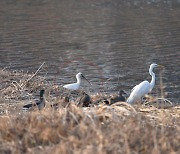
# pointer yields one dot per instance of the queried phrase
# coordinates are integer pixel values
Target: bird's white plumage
(75, 86)
(143, 88)
(72, 86)
(139, 91)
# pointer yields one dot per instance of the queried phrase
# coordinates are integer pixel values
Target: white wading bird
(76, 86)
(143, 88)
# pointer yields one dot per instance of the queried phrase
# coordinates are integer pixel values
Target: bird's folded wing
(28, 106)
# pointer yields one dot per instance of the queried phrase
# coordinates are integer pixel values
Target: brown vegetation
(119, 128)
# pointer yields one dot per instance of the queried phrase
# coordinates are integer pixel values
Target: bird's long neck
(152, 83)
(42, 96)
(42, 101)
(78, 80)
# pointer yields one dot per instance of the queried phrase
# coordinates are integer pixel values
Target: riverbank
(117, 128)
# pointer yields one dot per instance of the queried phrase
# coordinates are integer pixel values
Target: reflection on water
(112, 42)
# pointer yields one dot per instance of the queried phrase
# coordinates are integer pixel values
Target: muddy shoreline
(102, 128)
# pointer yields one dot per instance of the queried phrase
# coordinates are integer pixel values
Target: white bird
(144, 87)
(76, 86)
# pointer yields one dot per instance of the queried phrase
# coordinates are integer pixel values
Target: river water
(112, 42)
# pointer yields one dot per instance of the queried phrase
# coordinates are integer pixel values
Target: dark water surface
(112, 42)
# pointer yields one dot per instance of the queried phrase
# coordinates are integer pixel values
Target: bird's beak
(161, 66)
(86, 79)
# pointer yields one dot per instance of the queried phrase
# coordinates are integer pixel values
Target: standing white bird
(144, 87)
(76, 86)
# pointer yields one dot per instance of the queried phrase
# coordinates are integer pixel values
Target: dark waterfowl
(101, 99)
(39, 104)
(63, 102)
(118, 98)
(84, 100)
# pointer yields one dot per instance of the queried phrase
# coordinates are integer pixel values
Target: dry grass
(119, 128)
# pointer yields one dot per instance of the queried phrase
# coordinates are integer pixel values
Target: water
(111, 42)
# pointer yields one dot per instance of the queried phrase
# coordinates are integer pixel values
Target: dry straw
(117, 128)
